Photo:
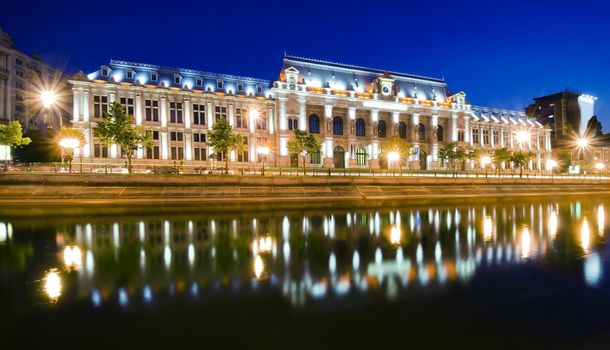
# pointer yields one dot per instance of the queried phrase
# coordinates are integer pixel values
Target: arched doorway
(423, 160)
(339, 157)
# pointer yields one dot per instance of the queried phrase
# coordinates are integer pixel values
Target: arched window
(360, 127)
(381, 128)
(289, 124)
(439, 133)
(314, 124)
(337, 126)
(402, 130)
(422, 132)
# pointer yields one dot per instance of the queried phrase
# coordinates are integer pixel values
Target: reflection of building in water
(310, 256)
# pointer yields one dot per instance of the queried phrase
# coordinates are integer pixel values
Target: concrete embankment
(21, 189)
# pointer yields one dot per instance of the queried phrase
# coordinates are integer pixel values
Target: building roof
(497, 115)
(341, 76)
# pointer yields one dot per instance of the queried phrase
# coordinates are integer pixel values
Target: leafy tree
(11, 135)
(501, 155)
(473, 153)
(564, 161)
(224, 139)
(396, 144)
(302, 144)
(43, 148)
(78, 141)
(117, 128)
(520, 159)
(452, 153)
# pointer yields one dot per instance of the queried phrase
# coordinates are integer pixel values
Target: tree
(520, 159)
(501, 155)
(11, 135)
(473, 153)
(302, 144)
(396, 144)
(69, 139)
(117, 129)
(452, 153)
(223, 139)
(564, 161)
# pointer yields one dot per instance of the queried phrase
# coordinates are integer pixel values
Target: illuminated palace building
(352, 110)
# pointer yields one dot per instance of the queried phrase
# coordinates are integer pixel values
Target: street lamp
(263, 151)
(69, 144)
(393, 156)
(582, 142)
(599, 167)
(48, 98)
(484, 161)
(550, 164)
(522, 137)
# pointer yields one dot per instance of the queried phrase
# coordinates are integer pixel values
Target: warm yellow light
(259, 266)
(393, 156)
(263, 150)
(264, 244)
(582, 142)
(52, 285)
(395, 235)
(253, 114)
(585, 236)
(522, 136)
(487, 228)
(525, 243)
(48, 98)
(600, 219)
(553, 222)
(599, 166)
(69, 143)
(73, 257)
(485, 160)
(551, 163)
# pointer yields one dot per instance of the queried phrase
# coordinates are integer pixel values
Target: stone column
(282, 112)
(467, 137)
(434, 138)
(270, 119)
(230, 114)
(163, 111)
(374, 151)
(351, 121)
(75, 104)
(85, 105)
(302, 114)
(210, 110)
(188, 114)
(454, 131)
(414, 158)
(138, 107)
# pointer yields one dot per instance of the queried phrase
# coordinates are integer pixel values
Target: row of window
(130, 74)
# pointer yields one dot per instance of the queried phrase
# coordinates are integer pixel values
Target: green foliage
(70, 133)
(396, 144)
(117, 128)
(453, 154)
(303, 143)
(11, 135)
(473, 153)
(224, 139)
(520, 160)
(501, 155)
(43, 148)
(564, 160)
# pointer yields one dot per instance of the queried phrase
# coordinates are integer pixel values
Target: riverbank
(66, 189)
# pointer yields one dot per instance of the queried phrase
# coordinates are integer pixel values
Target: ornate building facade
(352, 110)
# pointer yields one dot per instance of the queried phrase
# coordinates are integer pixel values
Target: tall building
(352, 110)
(22, 79)
(566, 113)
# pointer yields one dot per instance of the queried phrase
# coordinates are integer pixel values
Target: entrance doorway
(339, 157)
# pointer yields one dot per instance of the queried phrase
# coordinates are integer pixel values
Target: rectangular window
(220, 84)
(259, 89)
(180, 136)
(261, 123)
(196, 137)
(156, 152)
(176, 79)
(177, 153)
(105, 72)
(128, 104)
(240, 118)
(220, 112)
(496, 137)
(486, 137)
(475, 135)
(200, 153)
(175, 112)
(240, 87)
(460, 135)
(198, 82)
(242, 156)
(151, 110)
(100, 151)
(129, 74)
(100, 106)
(202, 138)
(172, 136)
(153, 76)
(155, 135)
(198, 114)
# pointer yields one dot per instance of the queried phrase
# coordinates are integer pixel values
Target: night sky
(502, 54)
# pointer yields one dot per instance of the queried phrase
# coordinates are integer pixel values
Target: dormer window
(177, 78)
(154, 76)
(105, 71)
(240, 87)
(129, 74)
(198, 82)
(220, 84)
(259, 89)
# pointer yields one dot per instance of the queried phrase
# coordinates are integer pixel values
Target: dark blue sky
(500, 53)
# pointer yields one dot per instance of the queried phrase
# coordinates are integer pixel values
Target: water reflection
(312, 256)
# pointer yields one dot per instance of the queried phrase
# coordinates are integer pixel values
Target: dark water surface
(528, 273)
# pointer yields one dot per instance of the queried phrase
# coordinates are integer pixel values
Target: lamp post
(582, 143)
(484, 161)
(393, 156)
(600, 168)
(69, 144)
(550, 164)
(264, 152)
